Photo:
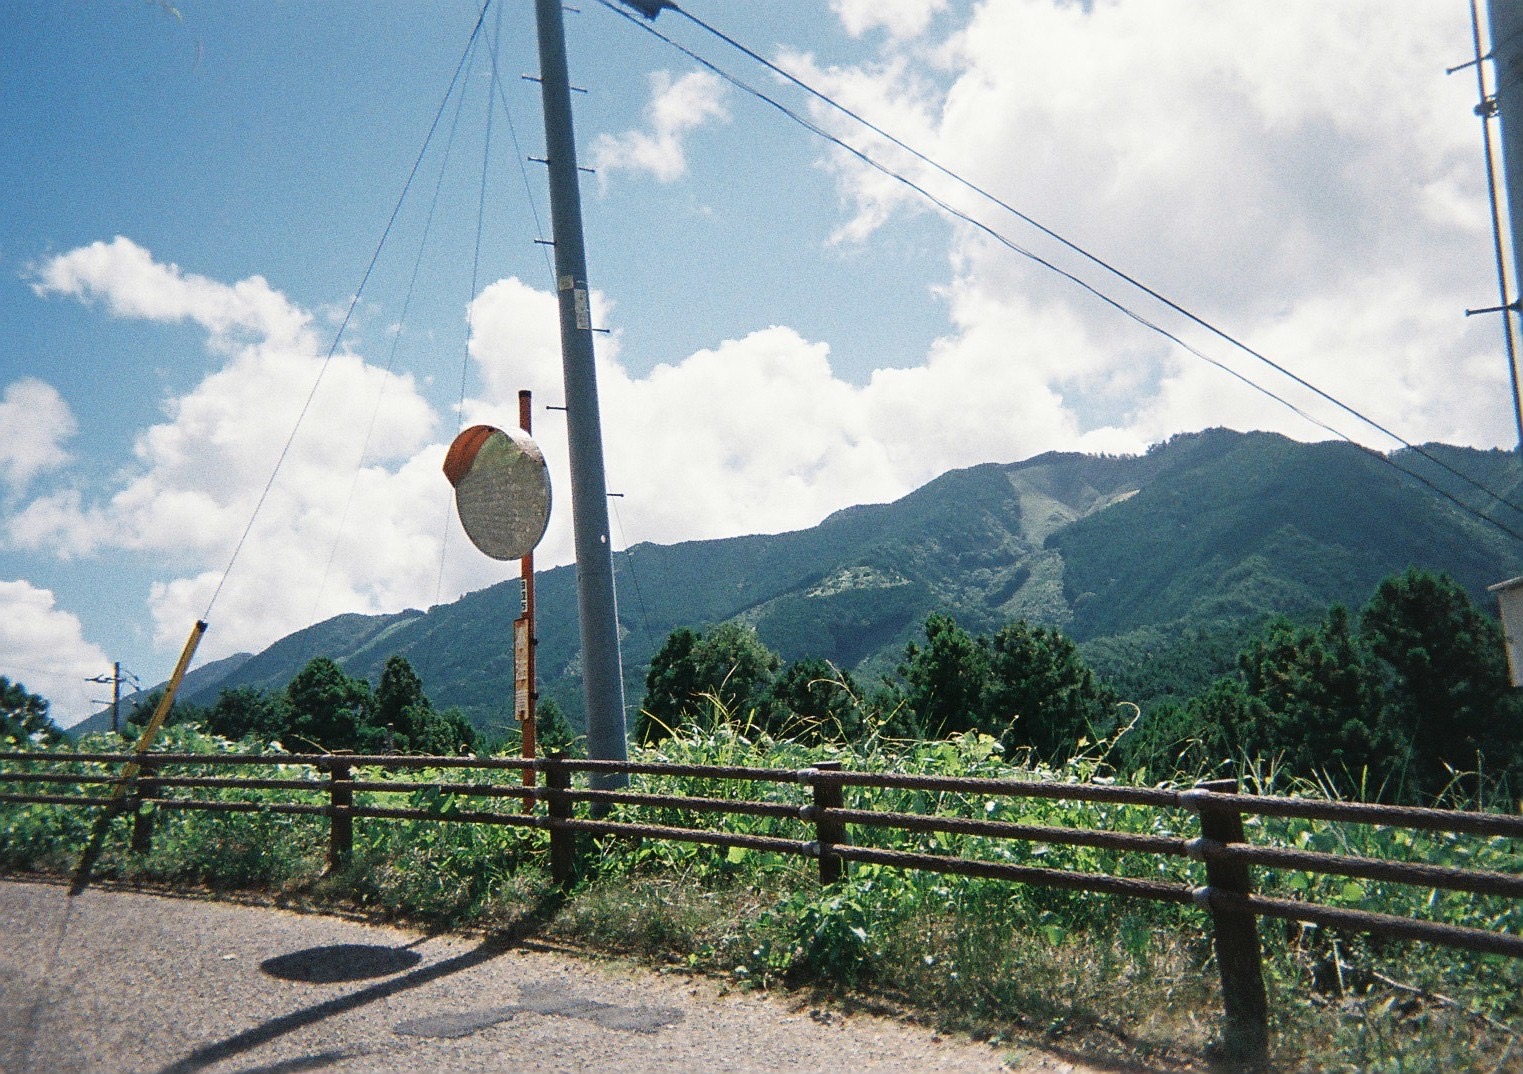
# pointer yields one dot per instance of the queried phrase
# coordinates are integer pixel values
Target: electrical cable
(629, 562)
(1081, 251)
(1084, 285)
(391, 357)
(348, 315)
(518, 152)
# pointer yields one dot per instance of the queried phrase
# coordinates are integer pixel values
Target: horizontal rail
(999, 829)
(1477, 881)
(57, 799)
(461, 816)
(1021, 874)
(465, 790)
(56, 777)
(315, 760)
(692, 803)
(687, 771)
(1460, 822)
(1470, 939)
(688, 835)
(1010, 788)
(201, 805)
(237, 783)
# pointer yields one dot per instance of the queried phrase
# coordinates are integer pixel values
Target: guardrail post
(340, 819)
(827, 831)
(558, 806)
(144, 790)
(1245, 1035)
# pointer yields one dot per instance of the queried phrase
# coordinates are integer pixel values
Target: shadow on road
(490, 948)
(87, 860)
(339, 962)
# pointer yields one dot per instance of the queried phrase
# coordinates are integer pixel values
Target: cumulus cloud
(677, 108)
(901, 18)
(352, 524)
(43, 647)
(1334, 219)
(759, 434)
(35, 422)
(132, 284)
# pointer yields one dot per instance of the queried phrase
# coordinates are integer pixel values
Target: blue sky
(191, 195)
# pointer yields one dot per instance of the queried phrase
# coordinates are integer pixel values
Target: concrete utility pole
(602, 674)
(1506, 18)
(1506, 104)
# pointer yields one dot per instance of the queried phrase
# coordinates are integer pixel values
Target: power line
(1076, 248)
(1093, 290)
(518, 151)
(629, 562)
(391, 356)
(348, 315)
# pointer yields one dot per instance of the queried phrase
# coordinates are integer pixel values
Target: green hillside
(1158, 564)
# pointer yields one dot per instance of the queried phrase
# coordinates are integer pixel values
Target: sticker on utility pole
(521, 643)
(583, 317)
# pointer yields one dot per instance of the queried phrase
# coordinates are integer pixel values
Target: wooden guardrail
(1227, 896)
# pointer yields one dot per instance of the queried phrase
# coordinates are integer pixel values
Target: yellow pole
(160, 714)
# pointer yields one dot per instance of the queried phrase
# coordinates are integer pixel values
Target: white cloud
(199, 473)
(901, 18)
(676, 109)
(758, 434)
(1335, 218)
(34, 424)
(133, 284)
(43, 647)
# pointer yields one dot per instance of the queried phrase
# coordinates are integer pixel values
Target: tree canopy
(1404, 701)
(728, 668)
(24, 715)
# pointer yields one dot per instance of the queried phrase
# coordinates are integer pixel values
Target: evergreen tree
(1321, 699)
(734, 667)
(240, 711)
(553, 731)
(1448, 697)
(1039, 692)
(439, 734)
(945, 681)
(181, 711)
(813, 701)
(1228, 720)
(728, 667)
(671, 684)
(24, 716)
(328, 707)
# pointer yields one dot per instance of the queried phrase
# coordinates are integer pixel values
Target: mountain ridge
(1207, 532)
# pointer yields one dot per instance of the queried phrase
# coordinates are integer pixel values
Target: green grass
(1105, 977)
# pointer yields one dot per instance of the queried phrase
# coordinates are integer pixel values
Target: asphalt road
(120, 982)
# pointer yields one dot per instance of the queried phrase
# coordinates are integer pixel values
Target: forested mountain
(1159, 565)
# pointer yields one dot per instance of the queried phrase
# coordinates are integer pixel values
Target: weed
(1118, 979)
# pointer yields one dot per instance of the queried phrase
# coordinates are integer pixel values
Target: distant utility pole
(602, 674)
(115, 679)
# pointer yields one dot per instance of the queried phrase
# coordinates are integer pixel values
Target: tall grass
(1106, 976)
